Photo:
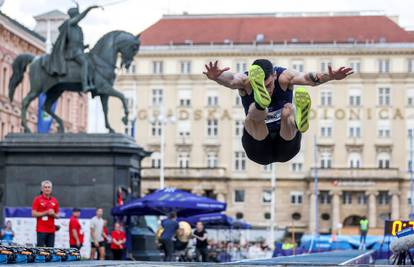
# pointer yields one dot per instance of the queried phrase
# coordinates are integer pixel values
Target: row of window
(326, 97)
(296, 165)
(354, 129)
(354, 160)
(185, 96)
(296, 198)
(184, 128)
(348, 197)
(355, 97)
(240, 161)
(383, 66)
(183, 160)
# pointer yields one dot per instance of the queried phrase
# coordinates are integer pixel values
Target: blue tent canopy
(167, 200)
(237, 224)
(216, 220)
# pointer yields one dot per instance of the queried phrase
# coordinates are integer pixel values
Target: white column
(312, 226)
(372, 208)
(336, 215)
(395, 205)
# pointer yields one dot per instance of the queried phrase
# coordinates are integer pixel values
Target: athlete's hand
(213, 71)
(340, 73)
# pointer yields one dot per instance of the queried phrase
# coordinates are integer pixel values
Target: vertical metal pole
(315, 188)
(411, 176)
(315, 184)
(163, 121)
(273, 206)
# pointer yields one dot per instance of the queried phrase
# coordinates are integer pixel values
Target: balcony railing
(361, 173)
(176, 172)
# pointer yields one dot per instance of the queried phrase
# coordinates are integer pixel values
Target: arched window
(155, 160)
(4, 81)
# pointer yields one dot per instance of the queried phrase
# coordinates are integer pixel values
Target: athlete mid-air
(276, 115)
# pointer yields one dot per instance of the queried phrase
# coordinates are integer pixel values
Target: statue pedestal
(86, 169)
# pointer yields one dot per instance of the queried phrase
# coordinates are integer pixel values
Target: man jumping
(276, 116)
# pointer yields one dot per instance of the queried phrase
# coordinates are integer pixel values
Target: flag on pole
(44, 120)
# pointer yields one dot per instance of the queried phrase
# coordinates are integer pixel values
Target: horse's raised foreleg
(114, 93)
(25, 105)
(51, 98)
(104, 101)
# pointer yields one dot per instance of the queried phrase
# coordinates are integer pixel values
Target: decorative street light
(273, 206)
(410, 169)
(164, 121)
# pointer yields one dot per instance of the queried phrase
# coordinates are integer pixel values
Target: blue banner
(44, 120)
(133, 127)
(26, 212)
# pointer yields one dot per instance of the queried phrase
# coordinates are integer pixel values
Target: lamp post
(273, 205)
(315, 184)
(410, 169)
(163, 120)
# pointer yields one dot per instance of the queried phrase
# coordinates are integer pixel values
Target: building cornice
(278, 50)
(23, 34)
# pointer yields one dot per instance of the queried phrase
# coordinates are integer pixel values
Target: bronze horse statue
(102, 60)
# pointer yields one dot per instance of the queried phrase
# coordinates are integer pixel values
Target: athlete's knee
(257, 131)
(287, 110)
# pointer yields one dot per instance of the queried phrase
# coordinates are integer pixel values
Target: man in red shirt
(45, 209)
(75, 230)
(118, 242)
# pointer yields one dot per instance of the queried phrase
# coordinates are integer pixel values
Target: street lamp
(410, 169)
(273, 205)
(163, 120)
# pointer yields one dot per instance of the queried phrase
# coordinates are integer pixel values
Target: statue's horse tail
(19, 67)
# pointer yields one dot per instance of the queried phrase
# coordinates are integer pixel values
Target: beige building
(361, 125)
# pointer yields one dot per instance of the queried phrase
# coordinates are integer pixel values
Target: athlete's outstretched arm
(292, 77)
(225, 77)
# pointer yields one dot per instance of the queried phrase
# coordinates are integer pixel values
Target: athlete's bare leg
(255, 123)
(288, 127)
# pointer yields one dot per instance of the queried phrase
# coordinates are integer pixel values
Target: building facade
(358, 137)
(16, 39)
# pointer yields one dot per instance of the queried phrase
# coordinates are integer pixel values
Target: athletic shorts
(271, 149)
(101, 244)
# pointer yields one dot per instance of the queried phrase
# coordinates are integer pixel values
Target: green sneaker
(256, 78)
(302, 103)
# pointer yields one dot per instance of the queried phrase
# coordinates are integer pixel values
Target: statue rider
(69, 46)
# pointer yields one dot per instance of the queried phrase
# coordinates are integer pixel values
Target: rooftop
(269, 28)
(53, 14)
(22, 27)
